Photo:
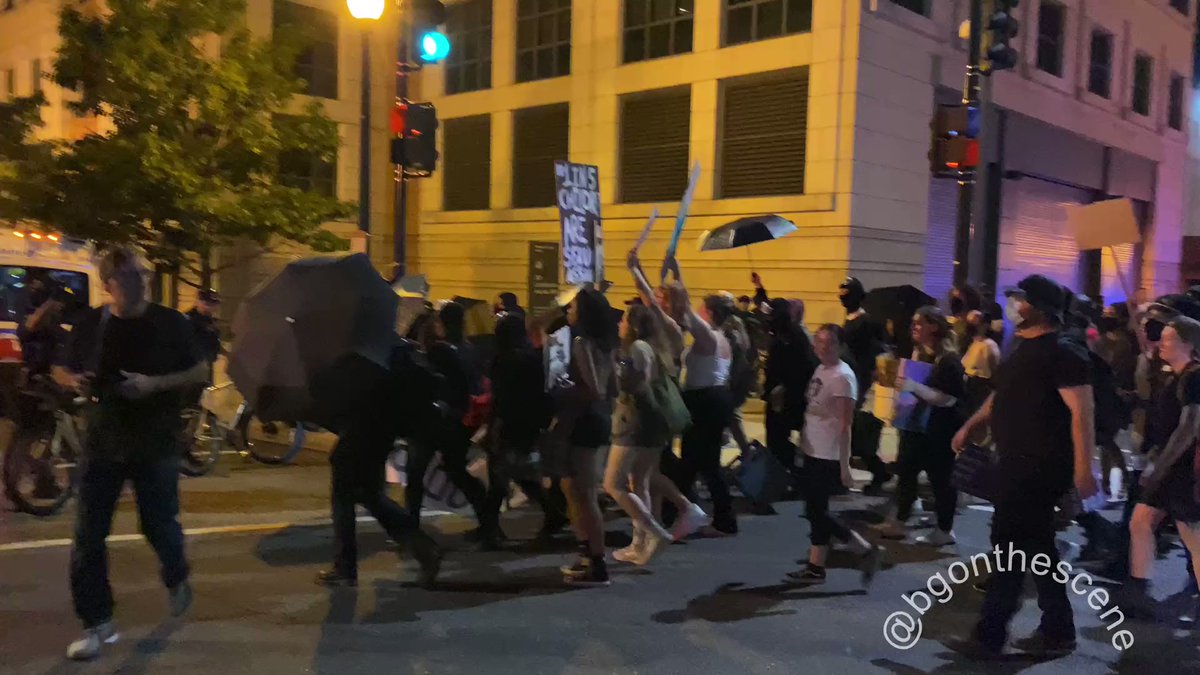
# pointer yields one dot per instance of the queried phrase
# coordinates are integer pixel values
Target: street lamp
(365, 10)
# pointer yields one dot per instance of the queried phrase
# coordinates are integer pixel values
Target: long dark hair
(641, 324)
(595, 319)
(453, 319)
(720, 308)
(944, 342)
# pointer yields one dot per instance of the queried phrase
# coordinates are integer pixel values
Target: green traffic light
(434, 46)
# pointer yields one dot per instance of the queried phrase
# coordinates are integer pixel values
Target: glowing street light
(365, 9)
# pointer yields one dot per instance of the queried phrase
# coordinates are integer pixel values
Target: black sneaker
(808, 575)
(595, 575)
(336, 579)
(872, 560)
(1136, 603)
(1039, 644)
(181, 598)
(579, 568)
(1189, 619)
(873, 490)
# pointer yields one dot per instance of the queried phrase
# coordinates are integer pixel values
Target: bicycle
(207, 435)
(41, 467)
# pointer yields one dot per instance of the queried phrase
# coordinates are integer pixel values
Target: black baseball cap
(1043, 293)
(1175, 304)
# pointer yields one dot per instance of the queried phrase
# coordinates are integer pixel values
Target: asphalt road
(707, 606)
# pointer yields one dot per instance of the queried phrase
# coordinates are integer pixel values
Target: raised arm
(671, 332)
(704, 335)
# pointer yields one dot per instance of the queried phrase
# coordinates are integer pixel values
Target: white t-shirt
(821, 425)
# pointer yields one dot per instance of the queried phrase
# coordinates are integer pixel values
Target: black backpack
(1110, 413)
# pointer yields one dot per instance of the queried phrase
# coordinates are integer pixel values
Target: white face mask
(1012, 312)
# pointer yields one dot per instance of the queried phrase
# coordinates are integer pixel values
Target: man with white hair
(134, 359)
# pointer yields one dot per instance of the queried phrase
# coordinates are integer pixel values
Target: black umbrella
(746, 231)
(313, 315)
(893, 307)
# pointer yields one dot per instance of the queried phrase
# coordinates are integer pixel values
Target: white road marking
(196, 532)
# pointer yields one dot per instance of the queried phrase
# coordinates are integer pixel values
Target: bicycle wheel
(275, 443)
(37, 479)
(202, 442)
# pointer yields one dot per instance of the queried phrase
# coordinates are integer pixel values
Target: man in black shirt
(133, 358)
(204, 323)
(1041, 419)
(865, 339)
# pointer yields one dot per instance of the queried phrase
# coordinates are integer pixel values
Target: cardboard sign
(543, 275)
(578, 190)
(1107, 223)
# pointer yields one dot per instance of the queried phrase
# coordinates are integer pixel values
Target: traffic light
(429, 42)
(416, 148)
(1002, 27)
(955, 143)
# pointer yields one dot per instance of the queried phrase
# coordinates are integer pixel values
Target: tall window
(539, 138)
(469, 65)
(317, 63)
(304, 170)
(467, 163)
(1143, 81)
(1100, 65)
(1175, 109)
(763, 135)
(750, 20)
(35, 71)
(1051, 21)
(656, 28)
(654, 145)
(1180, 6)
(543, 39)
(919, 6)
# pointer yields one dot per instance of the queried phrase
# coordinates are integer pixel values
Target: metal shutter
(939, 238)
(467, 143)
(1034, 236)
(763, 134)
(655, 128)
(539, 138)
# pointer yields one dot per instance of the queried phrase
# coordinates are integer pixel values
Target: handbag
(976, 473)
(669, 401)
(760, 475)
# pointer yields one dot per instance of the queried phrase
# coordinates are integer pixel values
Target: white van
(28, 254)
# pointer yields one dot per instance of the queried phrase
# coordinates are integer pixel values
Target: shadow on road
(735, 602)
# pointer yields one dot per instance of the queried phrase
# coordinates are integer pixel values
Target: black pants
(921, 452)
(452, 442)
(359, 477)
(864, 444)
(1024, 521)
(779, 427)
(701, 449)
(500, 474)
(821, 478)
(156, 486)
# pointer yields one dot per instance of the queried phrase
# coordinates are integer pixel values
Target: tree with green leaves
(200, 116)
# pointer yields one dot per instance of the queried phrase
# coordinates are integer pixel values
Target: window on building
(655, 128)
(539, 138)
(763, 134)
(1100, 65)
(35, 72)
(317, 63)
(543, 39)
(919, 6)
(1175, 110)
(750, 20)
(469, 65)
(304, 169)
(657, 28)
(1143, 80)
(1180, 6)
(467, 163)
(1052, 19)
(10, 83)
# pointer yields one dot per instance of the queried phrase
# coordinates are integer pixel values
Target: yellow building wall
(482, 253)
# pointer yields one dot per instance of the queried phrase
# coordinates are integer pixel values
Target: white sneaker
(629, 553)
(936, 538)
(690, 522)
(88, 646)
(891, 529)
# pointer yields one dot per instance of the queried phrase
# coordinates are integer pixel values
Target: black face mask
(1154, 329)
(956, 306)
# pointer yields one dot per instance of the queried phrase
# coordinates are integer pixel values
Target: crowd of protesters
(661, 385)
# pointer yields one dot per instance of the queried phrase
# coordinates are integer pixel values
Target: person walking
(454, 358)
(926, 447)
(133, 358)
(790, 365)
(386, 404)
(825, 440)
(667, 310)
(865, 339)
(520, 413)
(639, 432)
(980, 360)
(706, 394)
(202, 316)
(582, 419)
(1118, 346)
(1041, 419)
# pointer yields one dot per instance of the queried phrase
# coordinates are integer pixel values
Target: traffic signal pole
(400, 217)
(972, 87)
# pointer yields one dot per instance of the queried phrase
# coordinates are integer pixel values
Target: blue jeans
(156, 485)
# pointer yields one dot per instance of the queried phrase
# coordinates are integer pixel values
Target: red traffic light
(399, 118)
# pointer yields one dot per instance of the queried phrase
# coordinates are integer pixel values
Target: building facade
(818, 110)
